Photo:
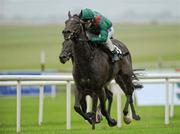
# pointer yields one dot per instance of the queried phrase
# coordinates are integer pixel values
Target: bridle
(74, 34)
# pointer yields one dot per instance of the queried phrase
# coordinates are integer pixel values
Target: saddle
(119, 47)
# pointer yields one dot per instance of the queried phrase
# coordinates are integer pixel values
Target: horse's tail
(135, 79)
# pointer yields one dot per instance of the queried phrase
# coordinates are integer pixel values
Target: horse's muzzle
(63, 59)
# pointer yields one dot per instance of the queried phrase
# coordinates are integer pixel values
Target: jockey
(99, 30)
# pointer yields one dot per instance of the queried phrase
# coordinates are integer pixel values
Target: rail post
(18, 107)
(41, 104)
(167, 103)
(68, 105)
(172, 101)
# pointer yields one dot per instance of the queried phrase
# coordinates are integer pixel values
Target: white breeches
(109, 42)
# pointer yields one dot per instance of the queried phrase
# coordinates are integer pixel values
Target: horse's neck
(82, 51)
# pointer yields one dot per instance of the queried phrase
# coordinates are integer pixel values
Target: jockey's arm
(101, 38)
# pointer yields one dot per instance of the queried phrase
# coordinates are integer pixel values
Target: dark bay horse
(92, 70)
(65, 55)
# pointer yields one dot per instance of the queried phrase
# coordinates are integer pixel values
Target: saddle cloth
(118, 49)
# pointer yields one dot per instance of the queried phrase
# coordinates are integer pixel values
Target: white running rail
(41, 80)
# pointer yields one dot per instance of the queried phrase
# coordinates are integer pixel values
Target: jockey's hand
(88, 24)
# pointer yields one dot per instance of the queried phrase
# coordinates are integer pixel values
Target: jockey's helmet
(87, 14)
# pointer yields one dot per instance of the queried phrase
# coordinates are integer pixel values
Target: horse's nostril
(62, 57)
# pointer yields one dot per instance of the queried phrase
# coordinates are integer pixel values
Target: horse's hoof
(89, 114)
(90, 121)
(136, 117)
(99, 117)
(127, 119)
(112, 123)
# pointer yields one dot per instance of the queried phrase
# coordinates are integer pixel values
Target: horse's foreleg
(102, 97)
(125, 111)
(83, 104)
(94, 109)
(109, 96)
(77, 106)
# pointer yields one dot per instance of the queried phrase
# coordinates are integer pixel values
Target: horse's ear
(69, 14)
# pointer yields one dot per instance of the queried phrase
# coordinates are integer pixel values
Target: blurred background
(149, 28)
